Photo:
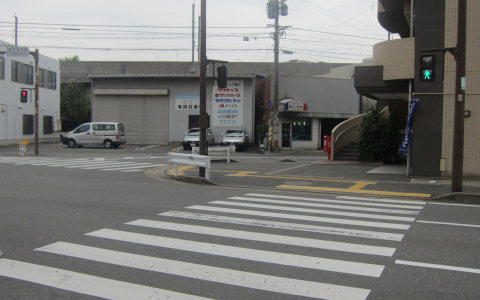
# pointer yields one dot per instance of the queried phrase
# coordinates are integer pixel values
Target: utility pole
(16, 28)
(275, 83)
(192, 67)
(274, 9)
(203, 82)
(37, 57)
(459, 114)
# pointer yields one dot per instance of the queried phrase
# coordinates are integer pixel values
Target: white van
(108, 134)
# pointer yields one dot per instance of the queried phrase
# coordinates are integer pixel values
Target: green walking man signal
(427, 68)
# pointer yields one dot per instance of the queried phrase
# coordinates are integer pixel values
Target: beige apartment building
(393, 79)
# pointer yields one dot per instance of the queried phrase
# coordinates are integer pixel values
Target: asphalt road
(70, 232)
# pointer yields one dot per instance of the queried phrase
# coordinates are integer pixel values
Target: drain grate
(287, 160)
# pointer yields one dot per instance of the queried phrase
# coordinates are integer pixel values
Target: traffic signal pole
(459, 114)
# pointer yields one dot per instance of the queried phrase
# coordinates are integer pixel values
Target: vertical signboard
(408, 131)
(228, 104)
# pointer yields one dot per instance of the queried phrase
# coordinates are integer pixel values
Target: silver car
(192, 138)
(108, 134)
(237, 137)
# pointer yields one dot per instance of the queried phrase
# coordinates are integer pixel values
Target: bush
(376, 136)
(261, 132)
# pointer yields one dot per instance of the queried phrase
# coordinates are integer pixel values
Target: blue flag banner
(407, 137)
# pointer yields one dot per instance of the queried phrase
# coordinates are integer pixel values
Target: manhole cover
(287, 160)
(298, 183)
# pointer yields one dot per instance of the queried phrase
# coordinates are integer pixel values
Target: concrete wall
(76, 71)
(397, 58)
(322, 95)
(471, 166)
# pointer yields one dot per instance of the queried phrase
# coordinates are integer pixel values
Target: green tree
(73, 58)
(74, 104)
(376, 135)
(261, 132)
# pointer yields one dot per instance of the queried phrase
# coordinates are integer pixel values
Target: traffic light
(427, 68)
(283, 8)
(272, 9)
(23, 96)
(222, 76)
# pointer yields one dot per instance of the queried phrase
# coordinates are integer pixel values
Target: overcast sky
(161, 30)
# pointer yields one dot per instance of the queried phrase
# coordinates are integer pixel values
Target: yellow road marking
(241, 174)
(357, 188)
(180, 170)
(311, 188)
(360, 185)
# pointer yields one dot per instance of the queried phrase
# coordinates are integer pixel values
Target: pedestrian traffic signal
(23, 96)
(222, 76)
(427, 68)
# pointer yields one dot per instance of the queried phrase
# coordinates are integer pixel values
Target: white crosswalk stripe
(85, 164)
(381, 210)
(269, 238)
(300, 217)
(288, 226)
(315, 211)
(211, 226)
(232, 277)
(84, 284)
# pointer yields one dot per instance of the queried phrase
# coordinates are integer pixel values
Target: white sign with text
(228, 104)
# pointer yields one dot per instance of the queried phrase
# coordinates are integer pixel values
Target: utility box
(327, 145)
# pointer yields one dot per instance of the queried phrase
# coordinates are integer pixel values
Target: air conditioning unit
(3, 108)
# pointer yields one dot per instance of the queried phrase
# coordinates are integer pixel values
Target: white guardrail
(191, 160)
(217, 150)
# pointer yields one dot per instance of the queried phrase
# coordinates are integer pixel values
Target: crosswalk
(82, 163)
(255, 225)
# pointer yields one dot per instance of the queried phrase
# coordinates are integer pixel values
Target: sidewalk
(311, 171)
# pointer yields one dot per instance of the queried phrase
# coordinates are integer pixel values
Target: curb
(458, 198)
(160, 173)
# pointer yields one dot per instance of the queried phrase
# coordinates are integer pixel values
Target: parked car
(237, 137)
(108, 134)
(192, 138)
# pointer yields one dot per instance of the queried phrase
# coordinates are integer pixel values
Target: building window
(302, 129)
(47, 124)
(28, 124)
(22, 73)
(14, 71)
(2, 67)
(52, 80)
(41, 76)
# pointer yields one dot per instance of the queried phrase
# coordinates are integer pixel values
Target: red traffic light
(23, 96)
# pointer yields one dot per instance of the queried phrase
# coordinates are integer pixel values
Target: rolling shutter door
(131, 115)
(145, 117)
(156, 120)
(106, 109)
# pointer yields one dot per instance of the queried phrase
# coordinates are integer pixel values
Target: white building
(17, 118)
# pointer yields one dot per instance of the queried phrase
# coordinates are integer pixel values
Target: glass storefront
(301, 129)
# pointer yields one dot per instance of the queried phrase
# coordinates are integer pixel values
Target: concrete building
(160, 108)
(310, 107)
(145, 96)
(395, 73)
(16, 118)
